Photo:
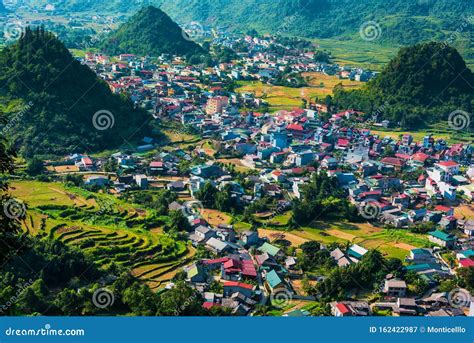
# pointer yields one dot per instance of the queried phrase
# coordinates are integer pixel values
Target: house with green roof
(442, 238)
(270, 250)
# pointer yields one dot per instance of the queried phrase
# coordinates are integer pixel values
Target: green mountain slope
(400, 21)
(422, 84)
(151, 32)
(64, 96)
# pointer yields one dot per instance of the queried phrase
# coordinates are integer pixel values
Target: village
(229, 141)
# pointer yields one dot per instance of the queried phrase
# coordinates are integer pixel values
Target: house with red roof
(343, 144)
(397, 163)
(419, 158)
(466, 263)
(232, 287)
(298, 131)
(350, 308)
(450, 167)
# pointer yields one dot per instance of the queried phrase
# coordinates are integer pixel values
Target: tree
(467, 278)
(321, 56)
(224, 201)
(140, 299)
(34, 167)
(207, 195)
(9, 225)
(181, 300)
(111, 165)
(68, 302)
(178, 221)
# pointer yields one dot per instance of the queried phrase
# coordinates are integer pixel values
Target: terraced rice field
(157, 275)
(117, 236)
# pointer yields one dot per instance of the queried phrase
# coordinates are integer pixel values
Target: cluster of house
(247, 267)
(431, 268)
(408, 183)
(168, 85)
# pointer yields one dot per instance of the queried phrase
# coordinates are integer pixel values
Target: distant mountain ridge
(151, 32)
(402, 22)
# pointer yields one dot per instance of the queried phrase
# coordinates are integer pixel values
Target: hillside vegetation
(151, 32)
(402, 22)
(423, 84)
(56, 99)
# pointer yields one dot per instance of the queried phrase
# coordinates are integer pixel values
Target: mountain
(423, 84)
(400, 21)
(69, 109)
(151, 32)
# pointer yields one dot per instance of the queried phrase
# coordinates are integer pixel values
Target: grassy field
(103, 227)
(239, 166)
(371, 55)
(392, 243)
(440, 130)
(358, 52)
(287, 98)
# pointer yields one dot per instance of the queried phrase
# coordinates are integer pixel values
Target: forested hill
(63, 97)
(423, 84)
(401, 21)
(151, 32)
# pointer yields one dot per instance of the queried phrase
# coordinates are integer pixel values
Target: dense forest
(403, 22)
(151, 32)
(57, 100)
(421, 85)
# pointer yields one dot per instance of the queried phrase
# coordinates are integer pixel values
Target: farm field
(287, 98)
(396, 243)
(370, 55)
(103, 227)
(357, 52)
(439, 130)
(215, 217)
